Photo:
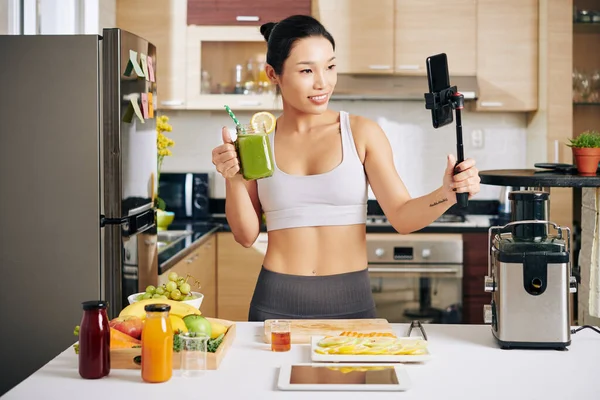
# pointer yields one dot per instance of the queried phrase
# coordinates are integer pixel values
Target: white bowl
(194, 302)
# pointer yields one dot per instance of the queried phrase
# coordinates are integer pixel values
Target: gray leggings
(340, 296)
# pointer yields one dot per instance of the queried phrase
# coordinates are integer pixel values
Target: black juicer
(529, 276)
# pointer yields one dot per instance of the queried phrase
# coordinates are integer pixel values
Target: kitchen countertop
(536, 178)
(200, 232)
(466, 365)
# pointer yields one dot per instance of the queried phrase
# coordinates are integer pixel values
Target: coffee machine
(529, 276)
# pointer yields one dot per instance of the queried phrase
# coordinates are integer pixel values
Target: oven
(416, 276)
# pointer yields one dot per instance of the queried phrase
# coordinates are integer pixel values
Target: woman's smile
(319, 99)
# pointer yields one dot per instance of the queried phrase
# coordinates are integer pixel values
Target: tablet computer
(341, 377)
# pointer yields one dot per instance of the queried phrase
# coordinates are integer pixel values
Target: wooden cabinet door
(475, 266)
(507, 55)
(204, 268)
(243, 12)
(428, 27)
(201, 265)
(237, 270)
(161, 22)
(363, 33)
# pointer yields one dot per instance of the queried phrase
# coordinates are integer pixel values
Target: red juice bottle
(94, 341)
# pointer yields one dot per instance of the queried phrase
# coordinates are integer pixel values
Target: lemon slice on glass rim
(266, 119)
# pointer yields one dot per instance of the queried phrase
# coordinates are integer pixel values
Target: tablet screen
(375, 375)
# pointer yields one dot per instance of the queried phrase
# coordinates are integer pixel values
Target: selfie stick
(456, 100)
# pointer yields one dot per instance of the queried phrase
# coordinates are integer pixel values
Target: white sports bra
(336, 197)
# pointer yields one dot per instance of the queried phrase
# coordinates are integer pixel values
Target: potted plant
(586, 152)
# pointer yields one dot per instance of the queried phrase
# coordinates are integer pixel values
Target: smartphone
(439, 79)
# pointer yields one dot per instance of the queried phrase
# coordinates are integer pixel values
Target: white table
(466, 364)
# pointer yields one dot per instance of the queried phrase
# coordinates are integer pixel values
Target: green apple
(198, 324)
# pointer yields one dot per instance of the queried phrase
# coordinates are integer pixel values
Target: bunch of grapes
(177, 289)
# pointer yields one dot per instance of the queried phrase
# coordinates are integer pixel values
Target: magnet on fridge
(132, 64)
(150, 106)
(145, 105)
(150, 68)
(144, 65)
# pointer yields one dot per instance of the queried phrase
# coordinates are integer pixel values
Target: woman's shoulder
(362, 126)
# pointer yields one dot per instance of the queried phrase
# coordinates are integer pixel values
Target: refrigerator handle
(131, 224)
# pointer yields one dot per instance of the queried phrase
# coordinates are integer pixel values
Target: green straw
(232, 115)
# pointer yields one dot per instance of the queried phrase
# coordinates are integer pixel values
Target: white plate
(317, 376)
(314, 356)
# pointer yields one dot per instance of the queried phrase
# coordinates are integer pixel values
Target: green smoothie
(256, 159)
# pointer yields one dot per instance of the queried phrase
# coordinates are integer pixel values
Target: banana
(177, 323)
(217, 329)
(177, 308)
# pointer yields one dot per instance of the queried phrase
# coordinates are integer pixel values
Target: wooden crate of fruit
(125, 358)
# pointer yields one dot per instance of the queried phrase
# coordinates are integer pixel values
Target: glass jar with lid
(157, 344)
(94, 340)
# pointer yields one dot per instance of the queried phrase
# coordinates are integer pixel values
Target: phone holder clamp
(451, 96)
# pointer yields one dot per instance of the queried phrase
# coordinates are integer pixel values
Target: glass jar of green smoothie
(254, 150)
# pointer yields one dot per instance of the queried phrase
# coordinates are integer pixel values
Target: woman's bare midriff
(322, 250)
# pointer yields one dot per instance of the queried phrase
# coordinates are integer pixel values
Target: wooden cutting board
(303, 329)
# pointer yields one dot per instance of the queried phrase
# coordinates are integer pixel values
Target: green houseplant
(586, 151)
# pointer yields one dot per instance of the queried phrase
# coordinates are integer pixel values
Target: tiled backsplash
(419, 149)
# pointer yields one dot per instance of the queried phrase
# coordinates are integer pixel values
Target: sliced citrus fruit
(264, 119)
(334, 341)
(379, 341)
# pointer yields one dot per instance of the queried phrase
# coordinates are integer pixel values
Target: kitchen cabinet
(213, 52)
(475, 266)
(237, 271)
(428, 27)
(364, 35)
(201, 265)
(163, 23)
(396, 36)
(507, 55)
(243, 12)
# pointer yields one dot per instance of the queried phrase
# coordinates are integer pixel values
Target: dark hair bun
(266, 29)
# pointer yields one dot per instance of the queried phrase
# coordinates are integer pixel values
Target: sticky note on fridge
(150, 106)
(150, 66)
(144, 65)
(128, 115)
(132, 65)
(136, 108)
(145, 105)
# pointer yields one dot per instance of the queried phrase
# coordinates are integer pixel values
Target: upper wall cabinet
(225, 65)
(428, 27)
(364, 34)
(507, 55)
(162, 22)
(243, 12)
(396, 36)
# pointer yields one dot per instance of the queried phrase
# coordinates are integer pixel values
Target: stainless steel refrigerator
(77, 176)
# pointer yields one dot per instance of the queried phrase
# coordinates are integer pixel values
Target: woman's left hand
(465, 181)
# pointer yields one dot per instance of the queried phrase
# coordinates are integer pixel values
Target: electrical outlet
(477, 139)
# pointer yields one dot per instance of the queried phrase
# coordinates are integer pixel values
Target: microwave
(185, 194)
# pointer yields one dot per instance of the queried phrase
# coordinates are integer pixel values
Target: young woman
(315, 202)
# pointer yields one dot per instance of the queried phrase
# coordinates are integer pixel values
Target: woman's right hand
(225, 158)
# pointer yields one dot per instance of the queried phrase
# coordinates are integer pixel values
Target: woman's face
(309, 76)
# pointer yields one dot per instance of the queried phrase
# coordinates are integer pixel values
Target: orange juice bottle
(157, 344)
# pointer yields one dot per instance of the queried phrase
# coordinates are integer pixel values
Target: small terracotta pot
(586, 160)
